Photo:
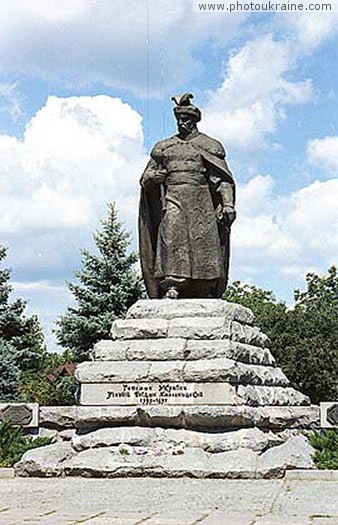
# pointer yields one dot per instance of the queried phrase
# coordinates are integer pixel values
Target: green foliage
(311, 342)
(108, 285)
(21, 339)
(305, 338)
(270, 313)
(27, 371)
(9, 373)
(13, 444)
(326, 444)
(22, 332)
(47, 386)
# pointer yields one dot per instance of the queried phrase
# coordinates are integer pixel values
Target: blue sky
(85, 88)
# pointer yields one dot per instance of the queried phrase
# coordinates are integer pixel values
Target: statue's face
(185, 124)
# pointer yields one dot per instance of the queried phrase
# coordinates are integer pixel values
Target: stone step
(170, 309)
(180, 349)
(202, 370)
(152, 438)
(62, 459)
(195, 417)
(140, 394)
(205, 328)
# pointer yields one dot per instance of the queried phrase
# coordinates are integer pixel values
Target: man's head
(187, 115)
(186, 124)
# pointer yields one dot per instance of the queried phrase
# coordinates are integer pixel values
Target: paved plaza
(167, 502)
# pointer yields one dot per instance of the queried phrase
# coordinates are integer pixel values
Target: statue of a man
(186, 211)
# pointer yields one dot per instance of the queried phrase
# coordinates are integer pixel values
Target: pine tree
(9, 373)
(21, 338)
(108, 285)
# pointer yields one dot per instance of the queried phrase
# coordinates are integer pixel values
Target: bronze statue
(186, 211)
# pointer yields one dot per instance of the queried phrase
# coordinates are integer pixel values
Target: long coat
(179, 232)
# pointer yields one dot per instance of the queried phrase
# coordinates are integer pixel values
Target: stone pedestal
(184, 387)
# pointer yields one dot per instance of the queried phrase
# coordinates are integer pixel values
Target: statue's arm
(225, 188)
(148, 176)
(154, 173)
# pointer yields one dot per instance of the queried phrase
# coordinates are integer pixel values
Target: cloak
(151, 213)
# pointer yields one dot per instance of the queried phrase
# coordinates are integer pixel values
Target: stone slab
(169, 309)
(251, 335)
(7, 472)
(199, 328)
(140, 394)
(166, 460)
(296, 452)
(180, 349)
(271, 395)
(44, 461)
(147, 440)
(196, 349)
(312, 475)
(139, 328)
(25, 415)
(202, 370)
(193, 417)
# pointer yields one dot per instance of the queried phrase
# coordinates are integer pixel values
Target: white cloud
(36, 286)
(309, 30)
(287, 235)
(259, 234)
(84, 41)
(11, 100)
(324, 154)
(254, 93)
(76, 154)
(313, 217)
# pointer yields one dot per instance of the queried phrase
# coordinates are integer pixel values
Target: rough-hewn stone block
(139, 328)
(169, 309)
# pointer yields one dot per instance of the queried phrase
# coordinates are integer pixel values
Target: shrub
(13, 444)
(326, 444)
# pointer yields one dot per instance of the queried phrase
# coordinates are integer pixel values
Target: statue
(186, 212)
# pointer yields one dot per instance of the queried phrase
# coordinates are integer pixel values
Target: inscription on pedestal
(157, 394)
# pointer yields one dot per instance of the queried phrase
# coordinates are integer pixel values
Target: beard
(186, 127)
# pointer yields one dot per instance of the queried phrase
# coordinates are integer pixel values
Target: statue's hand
(160, 176)
(229, 214)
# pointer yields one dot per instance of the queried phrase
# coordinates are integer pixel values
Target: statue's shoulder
(211, 145)
(160, 147)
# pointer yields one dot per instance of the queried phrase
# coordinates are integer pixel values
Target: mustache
(186, 125)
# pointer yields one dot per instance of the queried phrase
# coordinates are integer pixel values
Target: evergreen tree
(108, 285)
(21, 339)
(9, 373)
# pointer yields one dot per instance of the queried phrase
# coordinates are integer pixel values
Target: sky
(85, 91)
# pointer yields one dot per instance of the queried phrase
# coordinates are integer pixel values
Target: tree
(48, 386)
(108, 285)
(304, 338)
(311, 341)
(9, 373)
(21, 338)
(270, 313)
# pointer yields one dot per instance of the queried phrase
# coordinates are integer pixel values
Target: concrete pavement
(70, 501)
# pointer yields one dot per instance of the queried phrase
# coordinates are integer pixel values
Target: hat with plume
(184, 106)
